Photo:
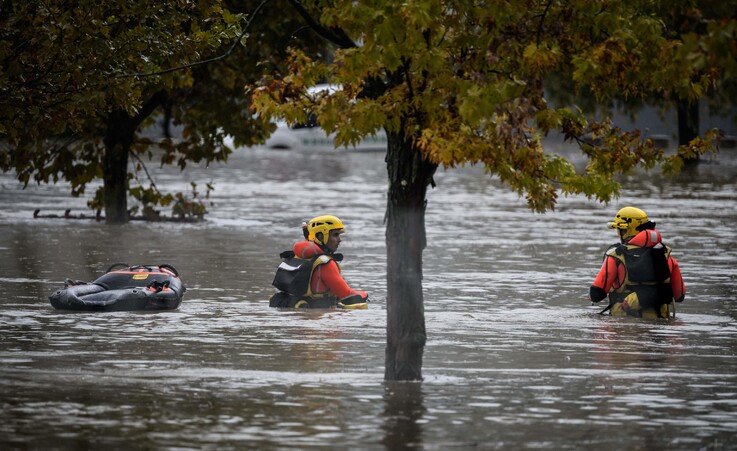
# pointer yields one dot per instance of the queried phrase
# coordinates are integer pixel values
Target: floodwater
(516, 358)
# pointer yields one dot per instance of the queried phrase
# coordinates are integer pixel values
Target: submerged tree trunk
(409, 175)
(118, 139)
(688, 124)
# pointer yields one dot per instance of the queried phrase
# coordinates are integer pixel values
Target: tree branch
(542, 21)
(333, 35)
(207, 61)
(149, 106)
(145, 169)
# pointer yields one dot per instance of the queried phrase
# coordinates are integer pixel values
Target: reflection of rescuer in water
(309, 275)
(640, 276)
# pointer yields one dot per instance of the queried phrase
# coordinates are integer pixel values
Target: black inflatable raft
(142, 287)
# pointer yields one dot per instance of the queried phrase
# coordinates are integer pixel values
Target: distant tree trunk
(118, 139)
(120, 133)
(688, 123)
(409, 175)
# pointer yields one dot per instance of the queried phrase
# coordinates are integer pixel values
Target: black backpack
(293, 274)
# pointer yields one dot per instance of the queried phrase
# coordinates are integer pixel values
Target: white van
(311, 137)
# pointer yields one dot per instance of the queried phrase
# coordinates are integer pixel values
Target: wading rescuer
(639, 275)
(309, 275)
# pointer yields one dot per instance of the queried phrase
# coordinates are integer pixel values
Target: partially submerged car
(309, 136)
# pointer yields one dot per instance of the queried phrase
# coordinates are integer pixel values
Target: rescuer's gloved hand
(357, 301)
(631, 303)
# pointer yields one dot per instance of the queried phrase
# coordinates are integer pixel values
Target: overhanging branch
(334, 35)
(207, 61)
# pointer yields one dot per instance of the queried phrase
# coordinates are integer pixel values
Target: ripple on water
(515, 356)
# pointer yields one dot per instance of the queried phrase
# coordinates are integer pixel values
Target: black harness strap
(607, 308)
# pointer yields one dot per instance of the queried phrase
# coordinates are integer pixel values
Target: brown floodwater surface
(515, 357)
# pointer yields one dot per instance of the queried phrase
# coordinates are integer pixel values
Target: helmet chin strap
(319, 239)
(321, 245)
(622, 233)
(325, 248)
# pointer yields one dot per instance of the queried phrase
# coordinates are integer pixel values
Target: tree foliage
(461, 82)
(697, 39)
(73, 100)
(470, 82)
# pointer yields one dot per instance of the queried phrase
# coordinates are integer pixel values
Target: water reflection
(516, 357)
(403, 415)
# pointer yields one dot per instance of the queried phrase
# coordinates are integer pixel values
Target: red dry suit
(326, 278)
(629, 267)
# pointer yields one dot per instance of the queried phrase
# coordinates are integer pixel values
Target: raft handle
(115, 265)
(170, 268)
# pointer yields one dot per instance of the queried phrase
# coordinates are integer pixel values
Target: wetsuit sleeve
(676, 280)
(609, 277)
(330, 276)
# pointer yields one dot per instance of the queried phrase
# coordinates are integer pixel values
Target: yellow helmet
(323, 224)
(628, 222)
